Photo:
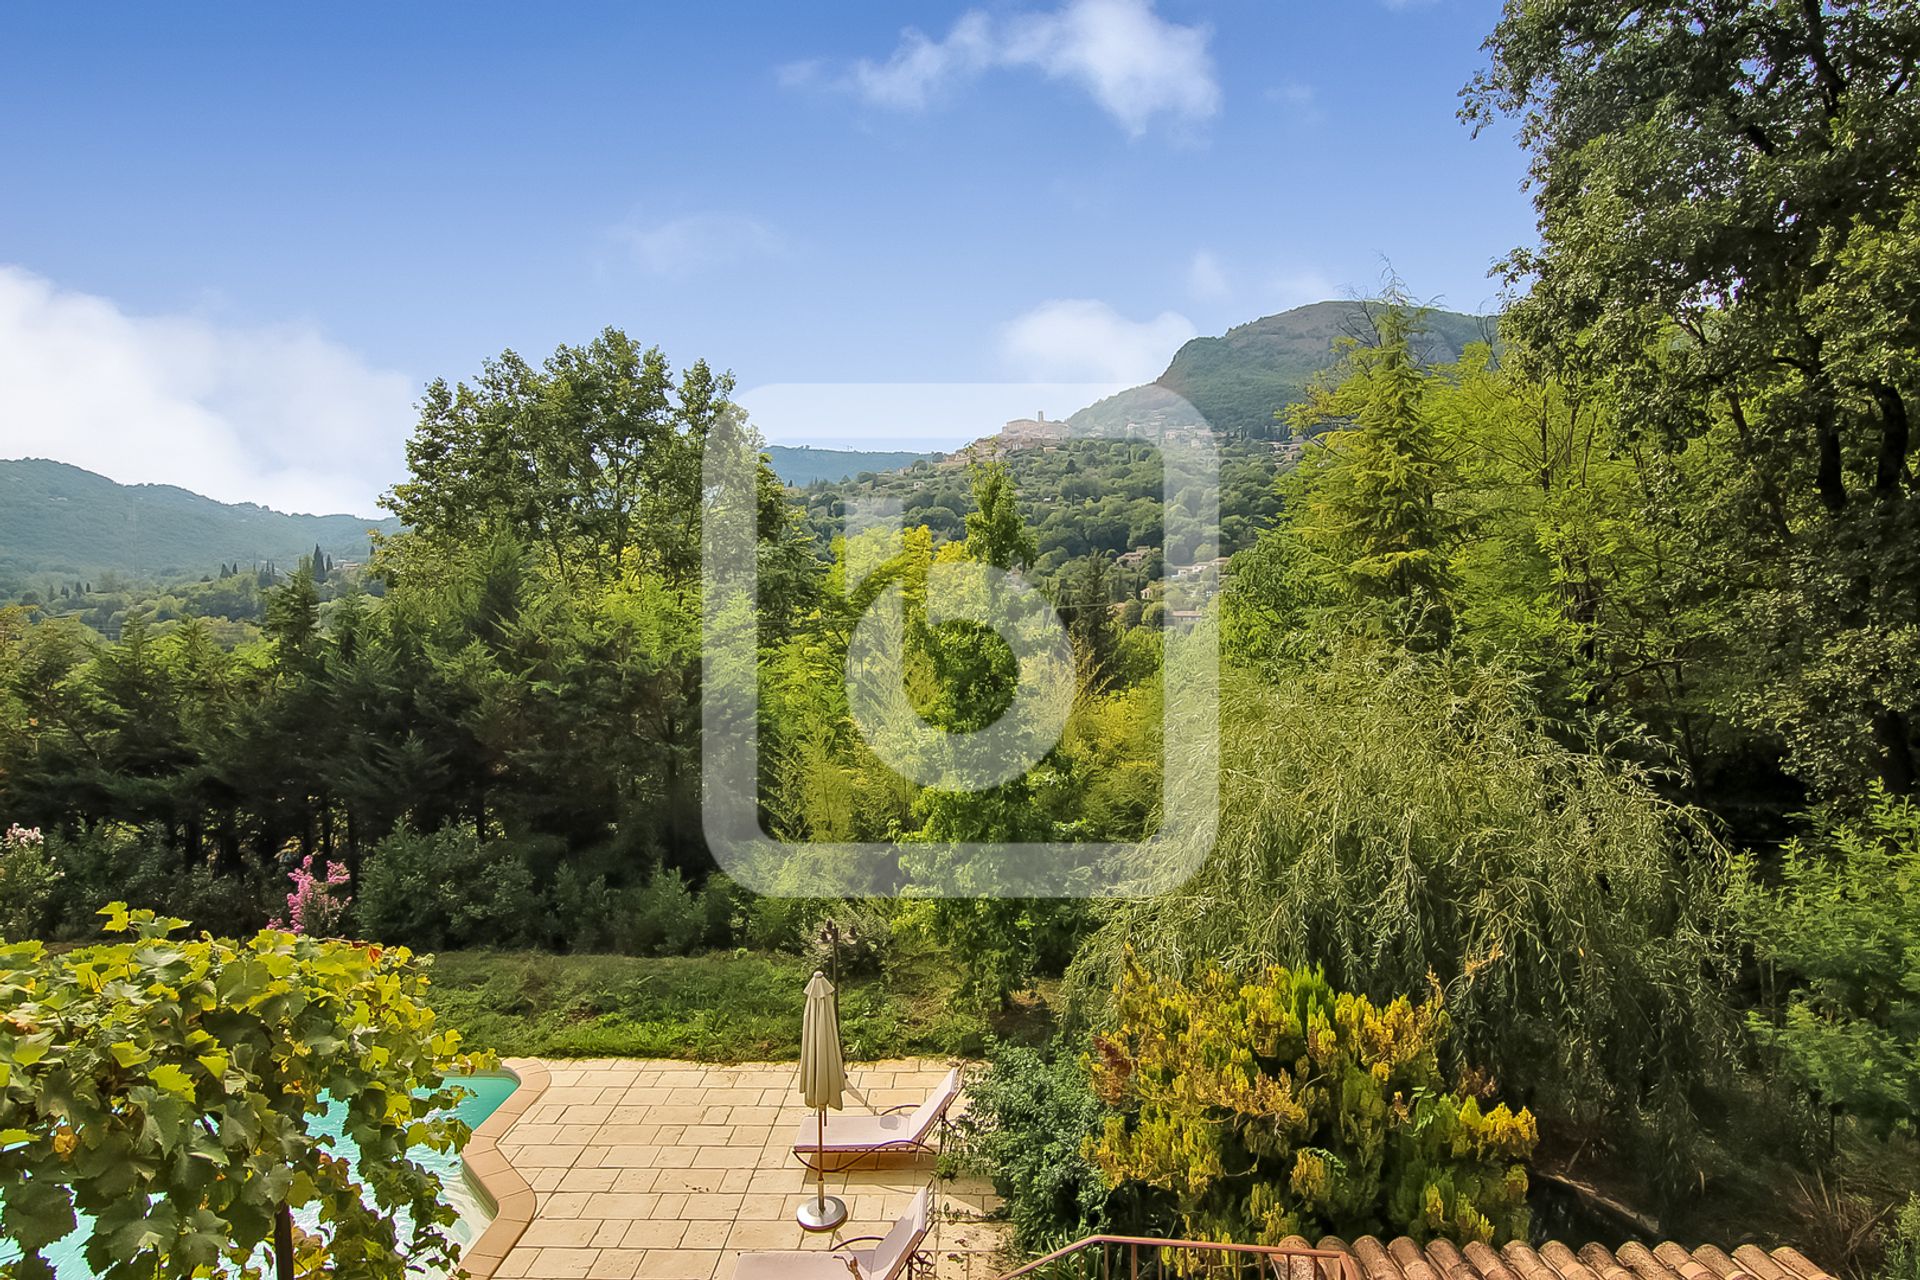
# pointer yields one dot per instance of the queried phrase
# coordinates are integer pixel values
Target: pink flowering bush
(316, 906)
(27, 880)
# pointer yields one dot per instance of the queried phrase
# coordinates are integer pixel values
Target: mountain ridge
(57, 518)
(1241, 378)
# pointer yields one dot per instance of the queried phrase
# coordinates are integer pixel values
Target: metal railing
(1152, 1258)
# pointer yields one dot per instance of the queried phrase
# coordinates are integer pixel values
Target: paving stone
(655, 1233)
(564, 1233)
(678, 1264)
(560, 1264)
(616, 1264)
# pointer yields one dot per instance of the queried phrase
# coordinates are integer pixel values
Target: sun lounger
(901, 1129)
(889, 1257)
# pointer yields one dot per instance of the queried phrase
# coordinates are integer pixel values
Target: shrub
(1903, 1243)
(1840, 936)
(661, 916)
(799, 925)
(1281, 1107)
(316, 906)
(1031, 1119)
(865, 942)
(119, 863)
(445, 889)
(27, 882)
(176, 1104)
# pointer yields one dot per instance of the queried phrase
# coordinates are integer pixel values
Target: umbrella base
(822, 1214)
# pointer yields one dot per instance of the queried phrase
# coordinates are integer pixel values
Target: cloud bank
(1135, 64)
(1082, 339)
(279, 415)
(684, 246)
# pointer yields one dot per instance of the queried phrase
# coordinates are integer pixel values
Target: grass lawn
(721, 1007)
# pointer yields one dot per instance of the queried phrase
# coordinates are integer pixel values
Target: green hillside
(803, 465)
(1239, 379)
(58, 519)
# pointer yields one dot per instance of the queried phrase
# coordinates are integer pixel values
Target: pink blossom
(315, 907)
(19, 837)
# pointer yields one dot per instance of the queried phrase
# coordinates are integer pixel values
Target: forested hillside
(60, 522)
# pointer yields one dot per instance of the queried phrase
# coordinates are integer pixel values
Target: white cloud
(1135, 64)
(279, 415)
(1207, 278)
(687, 245)
(1297, 288)
(1085, 339)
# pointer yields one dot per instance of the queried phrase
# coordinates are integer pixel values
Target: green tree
(1089, 613)
(1368, 508)
(996, 532)
(1391, 817)
(1727, 217)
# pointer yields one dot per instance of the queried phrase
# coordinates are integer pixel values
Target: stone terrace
(653, 1170)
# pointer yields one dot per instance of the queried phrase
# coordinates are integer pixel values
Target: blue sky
(234, 239)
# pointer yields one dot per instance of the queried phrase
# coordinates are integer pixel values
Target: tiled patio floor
(655, 1170)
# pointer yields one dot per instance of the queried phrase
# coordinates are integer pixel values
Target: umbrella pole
(826, 1213)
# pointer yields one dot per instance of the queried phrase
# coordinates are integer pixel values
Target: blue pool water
(484, 1096)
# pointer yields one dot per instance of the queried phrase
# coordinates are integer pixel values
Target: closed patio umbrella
(823, 1079)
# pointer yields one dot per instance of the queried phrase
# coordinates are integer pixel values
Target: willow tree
(1390, 817)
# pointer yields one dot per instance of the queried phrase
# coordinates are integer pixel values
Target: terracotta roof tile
(1641, 1260)
(1402, 1259)
(1795, 1261)
(1563, 1261)
(1488, 1263)
(1375, 1262)
(1413, 1263)
(1759, 1265)
(1525, 1263)
(1449, 1261)
(1716, 1261)
(1601, 1262)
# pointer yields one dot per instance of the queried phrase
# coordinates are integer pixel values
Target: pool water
(484, 1095)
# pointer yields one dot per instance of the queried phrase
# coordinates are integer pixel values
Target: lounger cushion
(928, 1113)
(891, 1253)
(847, 1133)
(800, 1264)
(853, 1133)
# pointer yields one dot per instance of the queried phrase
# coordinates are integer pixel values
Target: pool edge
(488, 1169)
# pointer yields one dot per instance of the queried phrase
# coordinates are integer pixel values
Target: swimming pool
(484, 1095)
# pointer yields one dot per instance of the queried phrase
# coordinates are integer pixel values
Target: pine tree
(996, 534)
(1090, 621)
(1368, 513)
